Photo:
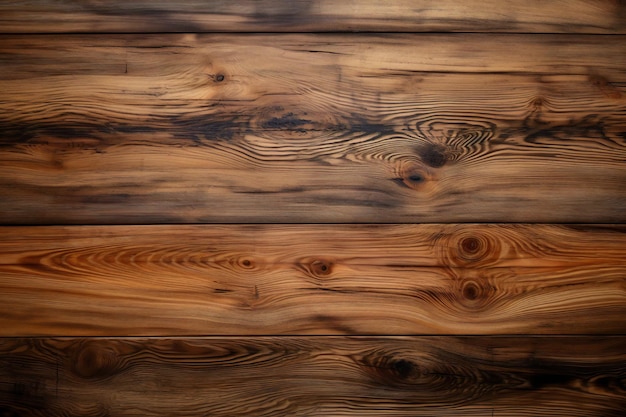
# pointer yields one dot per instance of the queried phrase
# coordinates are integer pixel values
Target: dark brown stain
(433, 155)
(535, 131)
(288, 121)
(183, 129)
(359, 124)
(542, 380)
(404, 369)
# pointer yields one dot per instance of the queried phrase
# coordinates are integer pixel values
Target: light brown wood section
(312, 279)
(560, 16)
(315, 376)
(129, 129)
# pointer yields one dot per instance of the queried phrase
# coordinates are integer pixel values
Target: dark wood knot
(411, 179)
(246, 263)
(477, 294)
(471, 291)
(470, 245)
(404, 369)
(321, 267)
(476, 248)
(415, 178)
(96, 362)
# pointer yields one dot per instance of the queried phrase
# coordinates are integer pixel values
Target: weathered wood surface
(334, 279)
(571, 16)
(312, 128)
(314, 376)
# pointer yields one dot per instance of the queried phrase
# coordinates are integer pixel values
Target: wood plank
(571, 16)
(333, 279)
(315, 376)
(312, 128)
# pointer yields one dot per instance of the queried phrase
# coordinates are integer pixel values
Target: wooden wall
(313, 208)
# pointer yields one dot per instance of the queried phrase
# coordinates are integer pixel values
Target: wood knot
(95, 362)
(321, 268)
(316, 267)
(219, 78)
(246, 263)
(404, 369)
(471, 291)
(415, 178)
(411, 179)
(391, 368)
(473, 248)
(468, 247)
(476, 294)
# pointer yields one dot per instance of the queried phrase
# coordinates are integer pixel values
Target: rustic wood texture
(290, 279)
(571, 16)
(129, 129)
(468, 156)
(321, 376)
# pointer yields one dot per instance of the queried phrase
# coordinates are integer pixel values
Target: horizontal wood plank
(571, 16)
(315, 376)
(330, 128)
(315, 279)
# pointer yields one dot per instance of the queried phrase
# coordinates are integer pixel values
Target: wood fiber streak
(339, 279)
(133, 129)
(338, 376)
(571, 16)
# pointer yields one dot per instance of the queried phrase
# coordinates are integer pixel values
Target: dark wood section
(572, 16)
(314, 376)
(133, 129)
(339, 279)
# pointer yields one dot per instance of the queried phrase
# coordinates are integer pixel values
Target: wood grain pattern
(335, 279)
(571, 16)
(315, 376)
(312, 128)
